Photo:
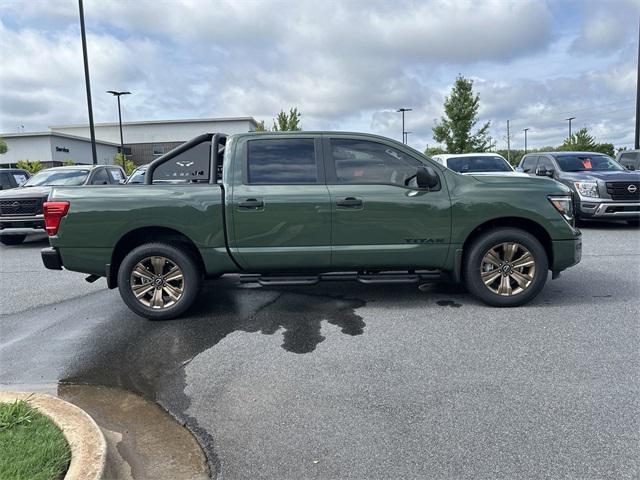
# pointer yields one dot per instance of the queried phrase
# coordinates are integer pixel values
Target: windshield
(478, 164)
(137, 176)
(587, 163)
(57, 178)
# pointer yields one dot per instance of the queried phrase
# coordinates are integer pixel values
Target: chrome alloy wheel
(157, 282)
(508, 269)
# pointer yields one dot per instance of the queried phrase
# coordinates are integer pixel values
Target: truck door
(378, 220)
(280, 210)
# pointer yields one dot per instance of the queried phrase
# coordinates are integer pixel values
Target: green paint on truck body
(301, 228)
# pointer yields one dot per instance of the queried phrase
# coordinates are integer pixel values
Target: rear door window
(282, 161)
(116, 175)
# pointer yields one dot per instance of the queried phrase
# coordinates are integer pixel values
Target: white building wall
(48, 148)
(26, 148)
(157, 132)
(79, 151)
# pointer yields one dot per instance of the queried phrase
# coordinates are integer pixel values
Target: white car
(476, 163)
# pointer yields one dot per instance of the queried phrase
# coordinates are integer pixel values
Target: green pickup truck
(297, 208)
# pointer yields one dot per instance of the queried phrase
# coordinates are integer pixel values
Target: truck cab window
(361, 161)
(288, 161)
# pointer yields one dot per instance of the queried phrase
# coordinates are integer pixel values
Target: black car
(12, 178)
(21, 208)
(603, 189)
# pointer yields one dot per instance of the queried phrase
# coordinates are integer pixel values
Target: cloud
(345, 65)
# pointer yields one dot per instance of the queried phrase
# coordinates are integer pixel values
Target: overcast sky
(346, 65)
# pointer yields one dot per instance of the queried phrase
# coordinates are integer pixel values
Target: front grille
(21, 206)
(620, 190)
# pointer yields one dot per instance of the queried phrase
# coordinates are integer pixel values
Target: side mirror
(426, 177)
(631, 167)
(543, 172)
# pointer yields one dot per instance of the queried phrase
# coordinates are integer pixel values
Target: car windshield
(478, 164)
(587, 163)
(57, 178)
(137, 176)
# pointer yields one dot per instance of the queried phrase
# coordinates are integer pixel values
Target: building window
(158, 150)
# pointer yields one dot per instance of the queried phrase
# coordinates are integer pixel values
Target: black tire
(182, 258)
(634, 222)
(493, 239)
(12, 239)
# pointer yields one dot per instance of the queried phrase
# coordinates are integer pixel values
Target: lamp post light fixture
(569, 120)
(403, 109)
(119, 94)
(525, 139)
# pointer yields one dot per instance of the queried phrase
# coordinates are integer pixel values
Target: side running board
(370, 278)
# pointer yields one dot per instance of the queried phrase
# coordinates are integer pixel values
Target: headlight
(587, 189)
(564, 205)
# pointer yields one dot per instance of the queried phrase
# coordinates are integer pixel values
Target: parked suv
(21, 208)
(475, 163)
(12, 178)
(603, 189)
(629, 159)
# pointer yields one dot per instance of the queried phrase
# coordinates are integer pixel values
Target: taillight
(53, 213)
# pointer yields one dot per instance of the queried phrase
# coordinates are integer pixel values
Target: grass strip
(31, 446)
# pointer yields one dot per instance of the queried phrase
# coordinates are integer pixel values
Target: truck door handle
(349, 202)
(251, 203)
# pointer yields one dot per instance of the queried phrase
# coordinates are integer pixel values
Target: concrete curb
(87, 443)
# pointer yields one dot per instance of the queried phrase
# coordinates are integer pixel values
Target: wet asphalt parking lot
(343, 380)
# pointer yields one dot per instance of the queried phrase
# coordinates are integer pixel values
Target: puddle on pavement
(143, 441)
(149, 357)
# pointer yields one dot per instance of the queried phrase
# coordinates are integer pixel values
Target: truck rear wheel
(506, 267)
(12, 239)
(159, 281)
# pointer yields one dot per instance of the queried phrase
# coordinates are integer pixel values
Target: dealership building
(143, 141)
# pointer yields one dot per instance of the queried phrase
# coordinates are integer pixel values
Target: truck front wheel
(506, 267)
(159, 281)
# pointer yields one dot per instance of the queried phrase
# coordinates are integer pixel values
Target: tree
(287, 123)
(431, 151)
(30, 166)
(461, 115)
(128, 165)
(68, 162)
(3, 146)
(260, 127)
(583, 141)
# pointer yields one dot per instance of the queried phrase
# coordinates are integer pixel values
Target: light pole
(87, 83)
(403, 109)
(406, 137)
(118, 94)
(637, 140)
(569, 120)
(525, 139)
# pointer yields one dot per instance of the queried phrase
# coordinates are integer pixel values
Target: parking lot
(348, 381)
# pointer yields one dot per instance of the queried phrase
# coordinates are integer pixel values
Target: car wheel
(634, 222)
(159, 281)
(12, 239)
(506, 267)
